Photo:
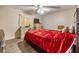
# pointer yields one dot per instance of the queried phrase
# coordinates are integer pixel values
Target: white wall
(65, 17)
(9, 21)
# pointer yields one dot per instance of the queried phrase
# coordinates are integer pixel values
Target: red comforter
(51, 41)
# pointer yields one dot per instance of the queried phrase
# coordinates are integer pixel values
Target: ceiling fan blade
(57, 7)
(28, 5)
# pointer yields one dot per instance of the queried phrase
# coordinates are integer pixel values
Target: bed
(51, 41)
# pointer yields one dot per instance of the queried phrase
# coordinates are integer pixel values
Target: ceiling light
(40, 11)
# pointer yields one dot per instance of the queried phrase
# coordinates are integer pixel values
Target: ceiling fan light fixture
(40, 11)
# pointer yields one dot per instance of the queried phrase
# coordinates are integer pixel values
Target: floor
(1, 50)
(18, 46)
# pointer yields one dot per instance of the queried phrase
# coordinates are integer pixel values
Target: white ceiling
(32, 9)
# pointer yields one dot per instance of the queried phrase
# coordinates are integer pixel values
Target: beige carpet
(18, 46)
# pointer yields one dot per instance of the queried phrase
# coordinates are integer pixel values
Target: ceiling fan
(42, 9)
(44, 6)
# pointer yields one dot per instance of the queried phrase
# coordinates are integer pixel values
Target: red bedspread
(51, 41)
